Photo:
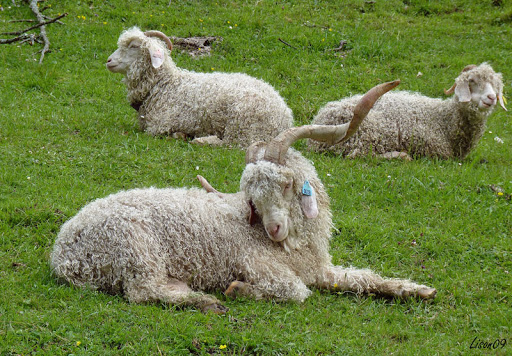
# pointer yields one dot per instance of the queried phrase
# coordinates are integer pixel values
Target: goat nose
(491, 97)
(273, 229)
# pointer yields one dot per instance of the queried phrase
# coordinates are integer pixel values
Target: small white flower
(28, 178)
(328, 174)
(197, 168)
(460, 164)
(490, 131)
(497, 139)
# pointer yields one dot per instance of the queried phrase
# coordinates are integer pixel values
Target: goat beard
(290, 243)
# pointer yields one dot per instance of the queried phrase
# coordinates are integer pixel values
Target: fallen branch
(312, 25)
(35, 10)
(23, 37)
(286, 43)
(340, 47)
(33, 27)
(42, 21)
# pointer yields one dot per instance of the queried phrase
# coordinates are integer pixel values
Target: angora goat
(404, 123)
(214, 108)
(172, 245)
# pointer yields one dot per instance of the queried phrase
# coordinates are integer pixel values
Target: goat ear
(462, 92)
(308, 202)
(254, 218)
(157, 57)
(502, 100)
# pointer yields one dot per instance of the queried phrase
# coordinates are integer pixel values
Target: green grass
(68, 136)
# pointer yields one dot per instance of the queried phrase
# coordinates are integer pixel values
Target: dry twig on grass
(22, 36)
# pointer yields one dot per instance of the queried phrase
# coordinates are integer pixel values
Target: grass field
(68, 136)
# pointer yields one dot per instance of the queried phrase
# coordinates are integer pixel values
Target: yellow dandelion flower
(330, 30)
(229, 22)
(200, 20)
(500, 194)
(236, 25)
(323, 39)
(162, 25)
(335, 285)
(78, 343)
(105, 22)
(213, 68)
(222, 347)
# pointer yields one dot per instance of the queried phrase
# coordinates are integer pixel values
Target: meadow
(68, 136)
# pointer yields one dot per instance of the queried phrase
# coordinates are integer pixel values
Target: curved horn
(161, 36)
(452, 89)
(468, 67)
(277, 148)
(206, 185)
(251, 155)
(365, 104)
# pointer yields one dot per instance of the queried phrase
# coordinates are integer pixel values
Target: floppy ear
(502, 100)
(308, 202)
(157, 56)
(462, 92)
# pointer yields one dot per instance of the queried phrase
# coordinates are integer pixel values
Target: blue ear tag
(306, 189)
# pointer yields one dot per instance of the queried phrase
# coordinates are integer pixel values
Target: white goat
(215, 108)
(171, 245)
(404, 123)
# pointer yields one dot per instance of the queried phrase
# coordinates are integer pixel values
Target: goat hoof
(215, 308)
(396, 155)
(427, 293)
(234, 289)
(207, 140)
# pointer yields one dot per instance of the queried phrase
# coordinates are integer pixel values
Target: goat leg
(360, 281)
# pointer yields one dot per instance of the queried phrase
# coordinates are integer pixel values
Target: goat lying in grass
(172, 245)
(403, 123)
(214, 108)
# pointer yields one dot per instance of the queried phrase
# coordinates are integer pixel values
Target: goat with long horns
(173, 245)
